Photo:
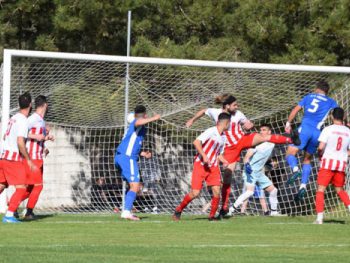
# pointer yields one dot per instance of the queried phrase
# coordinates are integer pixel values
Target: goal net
(87, 105)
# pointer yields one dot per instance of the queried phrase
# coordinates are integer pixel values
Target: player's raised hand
(248, 125)
(288, 127)
(146, 154)
(49, 137)
(189, 123)
(156, 117)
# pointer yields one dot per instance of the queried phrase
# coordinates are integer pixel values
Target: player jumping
(12, 168)
(316, 108)
(37, 136)
(127, 155)
(253, 174)
(334, 146)
(210, 145)
(237, 140)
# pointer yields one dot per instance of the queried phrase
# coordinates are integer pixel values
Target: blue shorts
(257, 179)
(128, 167)
(309, 138)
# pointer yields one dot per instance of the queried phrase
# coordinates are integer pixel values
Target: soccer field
(106, 238)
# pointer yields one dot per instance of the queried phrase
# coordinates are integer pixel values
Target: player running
(12, 168)
(253, 174)
(237, 140)
(37, 136)
(210, 145)
(128, 153)
(334, 146)
(316, 108)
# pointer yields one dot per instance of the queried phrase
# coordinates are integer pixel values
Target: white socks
(295, 169)
(9, 214)
(302, 186)
(273, 199)
(319, 217)
(242, 198)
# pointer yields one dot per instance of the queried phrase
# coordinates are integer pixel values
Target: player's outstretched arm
(144, 121)
(198, 145)
(197, 116)
(291, 117)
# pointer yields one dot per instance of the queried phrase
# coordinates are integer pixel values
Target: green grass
(106, 238)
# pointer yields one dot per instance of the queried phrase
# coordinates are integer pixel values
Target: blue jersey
(132, 141)
(316, 108)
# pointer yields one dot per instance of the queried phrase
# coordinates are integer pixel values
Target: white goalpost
(88, 106)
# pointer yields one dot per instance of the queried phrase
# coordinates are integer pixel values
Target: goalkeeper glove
(248, 169)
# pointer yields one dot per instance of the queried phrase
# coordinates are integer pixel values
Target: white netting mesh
(87, 115)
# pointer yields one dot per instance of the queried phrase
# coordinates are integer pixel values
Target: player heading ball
(128, 153)
(210, 145)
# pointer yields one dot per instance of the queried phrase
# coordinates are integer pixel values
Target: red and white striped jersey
(235, 132)
(36, 125)
(213, 144)
(16, 127)
(337, 140)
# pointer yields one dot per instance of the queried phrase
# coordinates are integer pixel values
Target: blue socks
(129, 200)
(293, 162)
(306, 173)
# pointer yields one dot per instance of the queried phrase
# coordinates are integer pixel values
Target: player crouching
(253, 174)
(334, 145)
(210, 145)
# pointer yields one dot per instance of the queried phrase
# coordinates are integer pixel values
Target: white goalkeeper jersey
(235, 131)
(16, 127)
(337, 140)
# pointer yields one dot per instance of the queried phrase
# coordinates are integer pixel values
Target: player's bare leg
(2, 188)
(126, 214)
(293, 163)
(193, 194)
(264, 207)
(226, 189)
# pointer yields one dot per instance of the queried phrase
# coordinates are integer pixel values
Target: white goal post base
(88, 101)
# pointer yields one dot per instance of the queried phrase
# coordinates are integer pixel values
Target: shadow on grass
(334, 221)
(38, 218)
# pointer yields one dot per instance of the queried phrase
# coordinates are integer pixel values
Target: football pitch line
(198, 246)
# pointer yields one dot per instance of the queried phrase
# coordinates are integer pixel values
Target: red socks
(280, 139)
(214, 206)
(319, 202)
(16, 199)
(34, 196)
(187, 199)
(225, 194)
(28, 191)
(344, 197)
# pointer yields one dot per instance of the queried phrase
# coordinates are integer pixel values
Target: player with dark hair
(237, 139)
(209, 145)
(254, 163)
(334, 148)
(37, 136)
(127, 155)
(12, 169)
(316, 108)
